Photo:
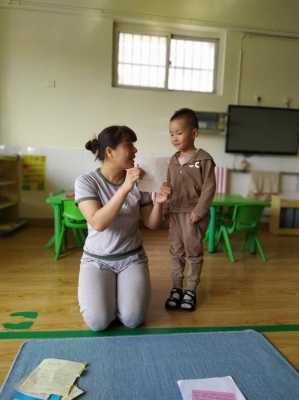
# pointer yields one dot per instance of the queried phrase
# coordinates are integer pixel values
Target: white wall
(73, 47)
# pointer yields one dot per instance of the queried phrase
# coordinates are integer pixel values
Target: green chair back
(71, 211)
(247, 217)
(56, 192)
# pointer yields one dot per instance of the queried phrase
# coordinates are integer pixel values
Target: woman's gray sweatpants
(118, 289)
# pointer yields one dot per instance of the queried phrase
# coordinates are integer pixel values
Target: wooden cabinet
(284, 216)
(9, 194)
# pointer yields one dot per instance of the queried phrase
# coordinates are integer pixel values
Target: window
(141, 60)
(166, 62)
(192, 65)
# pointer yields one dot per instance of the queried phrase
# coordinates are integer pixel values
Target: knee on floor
(132, 319)
(97, 322)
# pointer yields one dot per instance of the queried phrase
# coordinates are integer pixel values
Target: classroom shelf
(7, 204)
(9, 194)
(7, 183)
(11, 226)
(284, 216)
(13, 158)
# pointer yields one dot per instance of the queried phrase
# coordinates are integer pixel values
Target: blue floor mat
(147, 367)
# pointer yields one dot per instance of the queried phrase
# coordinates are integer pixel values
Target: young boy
(191, 178)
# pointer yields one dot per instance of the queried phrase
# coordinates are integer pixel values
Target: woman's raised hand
(132, 176)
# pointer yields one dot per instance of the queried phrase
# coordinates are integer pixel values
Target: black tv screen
(262, 130)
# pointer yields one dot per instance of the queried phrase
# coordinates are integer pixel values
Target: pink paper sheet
(212, 395)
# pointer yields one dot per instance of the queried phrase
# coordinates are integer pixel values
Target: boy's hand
(166, 188)
(194, 217)
(162, 196)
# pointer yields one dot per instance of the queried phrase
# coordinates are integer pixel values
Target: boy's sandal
(174, 300)
(188, 302)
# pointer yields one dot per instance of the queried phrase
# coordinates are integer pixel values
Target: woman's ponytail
(92, 145)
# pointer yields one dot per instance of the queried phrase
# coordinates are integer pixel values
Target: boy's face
(181, 134)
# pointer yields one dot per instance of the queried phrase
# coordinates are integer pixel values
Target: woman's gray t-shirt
(123, 235)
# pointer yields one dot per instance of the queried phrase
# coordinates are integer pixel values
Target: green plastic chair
(51, 241)
(73, 219)
(223, 216)
(246, 218)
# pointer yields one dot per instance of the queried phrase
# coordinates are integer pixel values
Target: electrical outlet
(51, 84)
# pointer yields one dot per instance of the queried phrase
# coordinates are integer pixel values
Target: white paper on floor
(193, 388)
(54, 376)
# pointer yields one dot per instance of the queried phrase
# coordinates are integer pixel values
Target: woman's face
(123, 155)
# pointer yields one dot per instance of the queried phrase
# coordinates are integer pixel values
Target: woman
(114, 277)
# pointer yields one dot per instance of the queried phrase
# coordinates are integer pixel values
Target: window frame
(216, 63)
(141, 30)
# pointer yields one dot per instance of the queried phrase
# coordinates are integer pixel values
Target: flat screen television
(262, 130)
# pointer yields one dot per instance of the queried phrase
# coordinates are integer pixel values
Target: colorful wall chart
(33, 172)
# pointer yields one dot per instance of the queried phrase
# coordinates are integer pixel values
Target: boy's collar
(194, 157)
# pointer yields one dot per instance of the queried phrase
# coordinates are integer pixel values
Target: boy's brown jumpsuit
(193, 187)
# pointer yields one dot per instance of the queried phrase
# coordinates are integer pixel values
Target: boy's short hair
(188, 114)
